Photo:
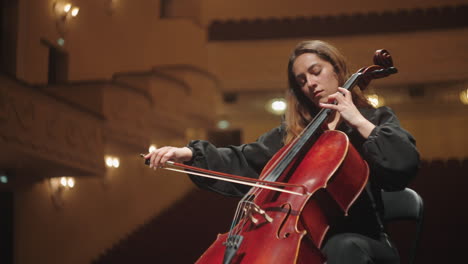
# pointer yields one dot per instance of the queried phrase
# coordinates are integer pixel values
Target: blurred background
(85, 86)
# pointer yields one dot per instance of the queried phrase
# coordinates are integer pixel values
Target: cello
(306, 185)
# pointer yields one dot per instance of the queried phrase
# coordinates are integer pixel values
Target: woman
(316, 70)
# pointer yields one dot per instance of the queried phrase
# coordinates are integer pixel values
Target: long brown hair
(301, 110)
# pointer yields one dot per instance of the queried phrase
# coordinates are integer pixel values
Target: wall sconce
(57, 187)
(64, 10)
(112, 162)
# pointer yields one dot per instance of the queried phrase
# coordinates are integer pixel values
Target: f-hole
(286, 208)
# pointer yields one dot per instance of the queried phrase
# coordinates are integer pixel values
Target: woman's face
(316, 77)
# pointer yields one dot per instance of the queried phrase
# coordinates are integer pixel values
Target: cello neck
(311, 131)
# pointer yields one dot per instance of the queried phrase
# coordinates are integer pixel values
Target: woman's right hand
(159, 156)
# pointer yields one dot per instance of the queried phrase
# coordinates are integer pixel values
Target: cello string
(307, 133)
(243, 211)
(236, 233)
(235, 221)
(239, 215)
(242, 222)
(288, 155)
(236, 229)
(285, 159)
(281, 157)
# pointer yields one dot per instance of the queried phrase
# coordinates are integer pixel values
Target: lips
(317, 93)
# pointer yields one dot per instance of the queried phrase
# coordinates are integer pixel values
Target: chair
(404, 205)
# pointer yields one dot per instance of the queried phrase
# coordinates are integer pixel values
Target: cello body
(334, 175)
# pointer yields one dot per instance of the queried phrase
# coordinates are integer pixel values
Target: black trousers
(359, 249)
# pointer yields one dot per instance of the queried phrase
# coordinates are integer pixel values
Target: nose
(310, 81)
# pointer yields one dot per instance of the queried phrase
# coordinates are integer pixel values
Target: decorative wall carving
(127, 113)
(48, 131)
(176, 91)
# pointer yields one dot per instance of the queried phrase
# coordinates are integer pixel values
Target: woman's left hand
(348, 111)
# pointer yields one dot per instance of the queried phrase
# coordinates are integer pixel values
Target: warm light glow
(109, 161)
(223, 124)
(65, 10)
(58, 186)
(63, 181)
(151, 148)
(67, 7)
(112, 161)
(276, 106)
(115, 162)
(375, 100)
(464, 96)
(74, 11)
(71, 182)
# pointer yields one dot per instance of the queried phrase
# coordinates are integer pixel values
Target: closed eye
(301, 81)
(315, 70)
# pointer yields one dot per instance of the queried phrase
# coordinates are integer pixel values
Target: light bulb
(115, 162)
(66, 8)
(63, 181)
(71, 182)
(109, 161)
(276, 106)
(74, 11)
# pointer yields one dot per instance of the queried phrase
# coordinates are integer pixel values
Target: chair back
(405, 205)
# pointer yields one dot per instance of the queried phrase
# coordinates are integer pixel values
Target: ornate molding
(155, 74)
(48, 131)
(191, 68)
(127, 116)
(403, 20)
